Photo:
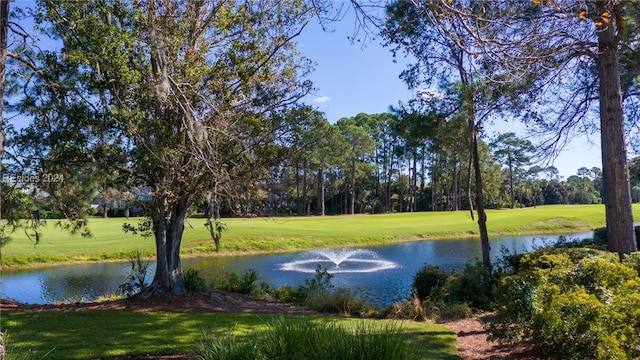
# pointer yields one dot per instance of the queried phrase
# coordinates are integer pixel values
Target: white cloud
(322, 99)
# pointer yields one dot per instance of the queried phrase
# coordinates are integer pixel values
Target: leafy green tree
(194, 88)
(379, 127)
(513, 152)
(567, 53)
(582, 191)
(584, 172)
(359, 146)
(442, 54)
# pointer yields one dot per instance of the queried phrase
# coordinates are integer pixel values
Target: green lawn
(297, 233)
(104, 334)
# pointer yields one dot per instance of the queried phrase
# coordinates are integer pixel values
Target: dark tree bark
(454, 187)
(482, 215)
(321, 203)
(352, 206)
(298, 202)
(4, 27)
(414, 180)
(615, 171)
(513, 202)
(304, 188)
(168, 226)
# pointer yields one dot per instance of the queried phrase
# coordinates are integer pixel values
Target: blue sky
(352, 78)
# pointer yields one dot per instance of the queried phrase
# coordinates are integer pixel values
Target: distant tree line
(378, 163)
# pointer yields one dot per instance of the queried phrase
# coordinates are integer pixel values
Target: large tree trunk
(304, 188)
(352, 207)
(388, 183)
(298, 203)
(482, 216)
(321, 206)
(105, 209)
(513, 202)
(414, 180)
(168, 227)
(454, 186)
(615, 171)
(4, 27)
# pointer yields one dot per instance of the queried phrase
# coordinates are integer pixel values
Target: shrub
(472, 286)
(427, 280)
(633, 261)
(437, 290)
(116, 213)
(339, 301)
(54, 214)
(193, 281)
(454, 311)
(320, 282)
(600, 235)
(572, 307)
(244, 283)
(287, 294)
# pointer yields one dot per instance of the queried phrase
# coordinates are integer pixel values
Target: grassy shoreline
(291, 234)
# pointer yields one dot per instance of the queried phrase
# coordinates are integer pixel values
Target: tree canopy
(175, 95)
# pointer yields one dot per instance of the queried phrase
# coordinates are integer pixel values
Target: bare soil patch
(472, 342)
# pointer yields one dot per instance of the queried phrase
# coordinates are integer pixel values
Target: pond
(377, 275)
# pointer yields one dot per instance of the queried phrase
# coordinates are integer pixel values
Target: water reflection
(87, 282)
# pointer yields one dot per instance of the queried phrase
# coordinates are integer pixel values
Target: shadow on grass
(106, 334)
(434, 344)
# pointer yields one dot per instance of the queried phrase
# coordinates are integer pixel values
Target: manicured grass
(104, 334)
(298, 233)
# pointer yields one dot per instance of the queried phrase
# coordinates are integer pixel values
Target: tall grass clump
(302, 338)
(136, 279)
(10, 352)
(227, 348)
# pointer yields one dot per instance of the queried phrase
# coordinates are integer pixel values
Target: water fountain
(340, 261)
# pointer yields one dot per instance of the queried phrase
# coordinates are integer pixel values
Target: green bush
(320, 282)
(339, 301)
(243, 283)
(310, 339)
(600, 235)
(440, 295)
(193, 281)
(573, 303)
(454, 311)
(633, 261)
(287, 294)
(472, 286)
(116, 213)
(427, 280)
